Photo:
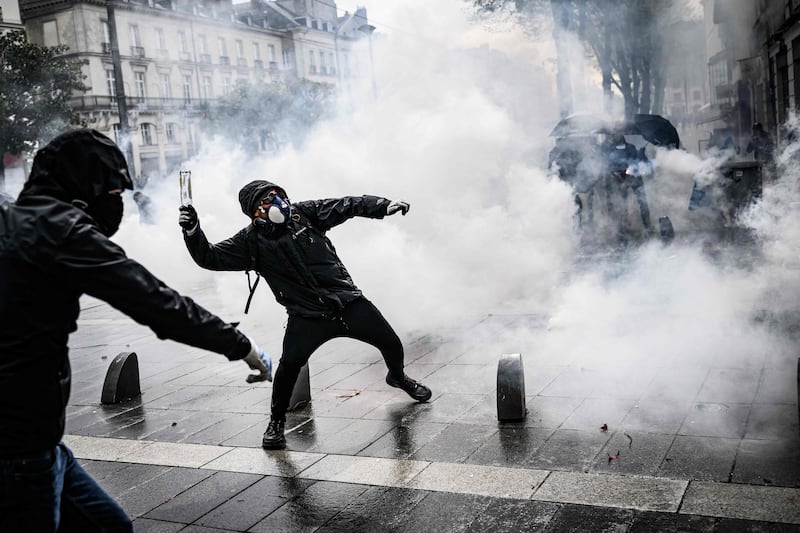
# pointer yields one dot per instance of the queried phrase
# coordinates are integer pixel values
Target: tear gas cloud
(460, 130)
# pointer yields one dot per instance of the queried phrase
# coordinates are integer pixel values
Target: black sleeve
(100, 268)
(325, 214)
(231, 254)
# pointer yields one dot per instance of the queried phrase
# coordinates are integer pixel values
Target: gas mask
(106, 210)
(277, 209)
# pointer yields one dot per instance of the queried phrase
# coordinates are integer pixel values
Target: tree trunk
(644, 103)
(2, 173)
(561, 19)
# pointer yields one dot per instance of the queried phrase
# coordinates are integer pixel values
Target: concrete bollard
(511, 388)
(122, 379)
(301, 395)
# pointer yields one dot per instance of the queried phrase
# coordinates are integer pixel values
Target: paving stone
(351, 439)
(701, 458)
(777, 384)
(377, 509)
(655, 416)
(259, 461)
(455, 443)
(727, 500)
(160, 489)
(101, 469)
(446, 407)
(401, 441)
(168, 453)
(364, 470)
(478, 479)
(650, 522)
(146, 525)
(637, 454)
(676, 385)
(549, 411)
(227, 428)
(483, 413)
(569, 450)
(772, 421)
(153, 420)
(181, 430)
(574, 382)
(209, 493)
(360, 404)
(580, 519)
(749, 526)
(443, 512)
(716, 420)
(465, 379)
(130, 478)
(101, 449)
(251, 505)
(768, 462)
(510, 446)
(502, 516)
(641, 493)
(539, 376)
(335, 374)
(592, 413)
(729, 385)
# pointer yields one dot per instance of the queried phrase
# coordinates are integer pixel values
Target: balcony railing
(137, 51)
(135, 103)
(241, 61)
(205, 59)
(106, 47)
(224, 60)
(258, 64)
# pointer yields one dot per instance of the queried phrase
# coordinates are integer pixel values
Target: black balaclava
(80, 167)
(251, 195)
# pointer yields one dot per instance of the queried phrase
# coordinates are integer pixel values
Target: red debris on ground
(612, 457)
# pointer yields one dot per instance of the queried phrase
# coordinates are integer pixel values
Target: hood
(251, 194)
(78, 165)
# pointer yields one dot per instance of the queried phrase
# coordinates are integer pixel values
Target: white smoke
(460, 130)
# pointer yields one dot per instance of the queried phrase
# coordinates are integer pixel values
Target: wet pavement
(721, 455)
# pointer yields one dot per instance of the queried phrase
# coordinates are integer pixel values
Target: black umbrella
(582, 124)
(657, 130)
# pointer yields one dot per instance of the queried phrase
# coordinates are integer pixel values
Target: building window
(312, 66)
(203, 44)
(287, 59)
(140, 85)
(331, 63)
(182, 41)
(106, 37)
(134, 31)
(187, 88)
(239, 49)
(696, 94)
(169, 131)
(147, 134)
(162, 42)
(117, 134)
(50, 33)
(207, 87)
(1, 13)
(226, 85)
(256, 51)
(271, 49)
(223, 49)
(165, 90)
(110, 83)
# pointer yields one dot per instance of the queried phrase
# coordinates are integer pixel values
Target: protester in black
(626, 166)
(287, 244)
(54, 247)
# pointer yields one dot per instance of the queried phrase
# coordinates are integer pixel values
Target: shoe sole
(274, 446)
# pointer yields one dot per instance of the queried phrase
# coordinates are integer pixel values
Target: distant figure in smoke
(761, 145)
(287, 244)
(145, 206)
(626, 166)
(54, 247)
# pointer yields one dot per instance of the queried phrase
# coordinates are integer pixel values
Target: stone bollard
(301, 395)
(122, 379)
(511, 389)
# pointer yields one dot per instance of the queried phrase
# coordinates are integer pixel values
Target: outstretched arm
(325, 214)
(230, 254)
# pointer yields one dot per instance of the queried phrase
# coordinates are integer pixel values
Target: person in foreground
(54, 247)
(287, 244)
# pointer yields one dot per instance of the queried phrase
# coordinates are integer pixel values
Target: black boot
(416, 390)
(273, 436)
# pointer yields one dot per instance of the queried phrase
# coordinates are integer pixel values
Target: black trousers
(359, 320)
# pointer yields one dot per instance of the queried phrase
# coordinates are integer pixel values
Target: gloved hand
(398, 205)
(188, 219)
(258, 359)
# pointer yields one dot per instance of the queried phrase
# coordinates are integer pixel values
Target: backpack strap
(252, 246)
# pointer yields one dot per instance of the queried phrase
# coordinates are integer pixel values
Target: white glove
(258, 359)
(398, 205)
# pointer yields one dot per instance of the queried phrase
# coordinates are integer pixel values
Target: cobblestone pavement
(724, 455)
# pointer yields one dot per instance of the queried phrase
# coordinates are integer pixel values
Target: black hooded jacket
(297, 259)
(50, 254)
